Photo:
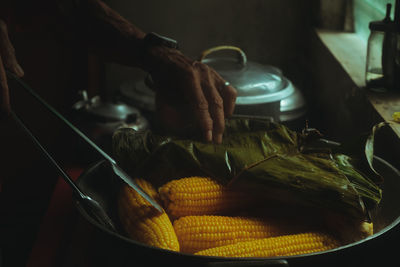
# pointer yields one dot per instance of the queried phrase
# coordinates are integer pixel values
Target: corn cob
(347, 229)
(143, 222)
(197, 233)
(199, 196)
(285, 245)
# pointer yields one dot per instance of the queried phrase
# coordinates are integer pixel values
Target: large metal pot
(114, 249)
(262, 89)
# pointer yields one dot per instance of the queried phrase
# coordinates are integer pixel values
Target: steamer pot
(114, 249)
(262, 90)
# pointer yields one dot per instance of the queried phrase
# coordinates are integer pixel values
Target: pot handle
(242, 55)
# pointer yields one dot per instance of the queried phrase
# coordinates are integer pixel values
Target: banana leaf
(265, 157)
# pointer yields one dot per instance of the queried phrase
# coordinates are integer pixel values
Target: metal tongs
(90, 205)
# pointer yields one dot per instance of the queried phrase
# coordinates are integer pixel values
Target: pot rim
(381, 232)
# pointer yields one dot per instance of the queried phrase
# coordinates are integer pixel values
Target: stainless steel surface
(112, 111)
(138, 94)
(386, 221)
(94, 110)
(239, 116)
(117, 170)
(127, 179)
(262, 89)
(255, 83)
(90, 205)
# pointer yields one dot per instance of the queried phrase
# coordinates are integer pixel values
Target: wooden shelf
(350, 51)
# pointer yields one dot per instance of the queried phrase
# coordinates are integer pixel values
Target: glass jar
(374, 71)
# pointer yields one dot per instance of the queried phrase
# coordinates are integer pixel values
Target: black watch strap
(153, 38)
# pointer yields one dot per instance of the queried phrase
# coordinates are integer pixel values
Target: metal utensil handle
(58, 115)
(66, 177)
(89, 204)
(242, 55)
(117, 170)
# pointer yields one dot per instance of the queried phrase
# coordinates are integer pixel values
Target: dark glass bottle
(380, 70)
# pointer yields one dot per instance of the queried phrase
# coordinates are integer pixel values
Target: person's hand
(189, 93)
(7, 61)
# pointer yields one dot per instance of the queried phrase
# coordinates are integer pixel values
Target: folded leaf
(266, 157)
(369, 145)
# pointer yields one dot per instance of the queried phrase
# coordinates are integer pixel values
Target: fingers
(7, 52)
(194, 88)
(199, 104)
(228, 94)
(215, 104)
(9, 61)
(213, 101)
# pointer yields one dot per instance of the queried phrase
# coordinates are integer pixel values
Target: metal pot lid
(255, 83)
(139, 94)
(100, 111)
(114, 112)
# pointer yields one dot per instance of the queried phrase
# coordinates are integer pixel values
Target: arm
(104, 30)
(188, 90)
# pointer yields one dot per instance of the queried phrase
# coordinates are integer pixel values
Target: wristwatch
(153, 38)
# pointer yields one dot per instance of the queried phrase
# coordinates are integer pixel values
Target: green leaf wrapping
(369, 145)
(265, 157)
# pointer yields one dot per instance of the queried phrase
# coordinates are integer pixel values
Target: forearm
(200, 93)
(106, 32)
(118, 40)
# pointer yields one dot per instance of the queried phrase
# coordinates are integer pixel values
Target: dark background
(57, 66)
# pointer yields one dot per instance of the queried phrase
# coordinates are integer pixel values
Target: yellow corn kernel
(199, 196)
(286, 245)
(197, 233)
(142, 222)
(396, 116)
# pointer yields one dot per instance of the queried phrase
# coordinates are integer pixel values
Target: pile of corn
(199, 217)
